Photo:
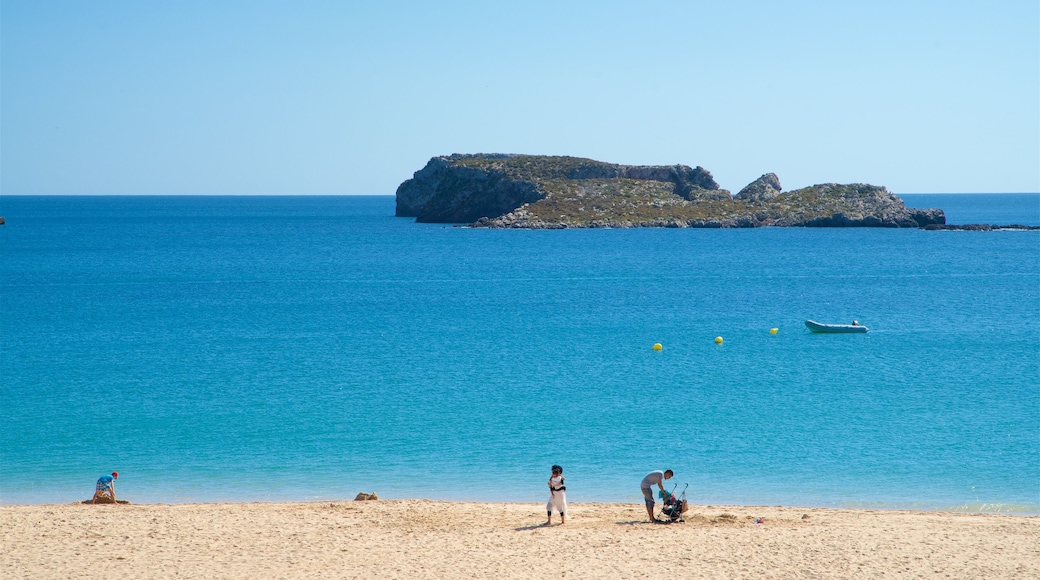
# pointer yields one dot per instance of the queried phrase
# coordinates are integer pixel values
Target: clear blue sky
(340, 97)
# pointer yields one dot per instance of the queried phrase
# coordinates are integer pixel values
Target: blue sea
(308, 348)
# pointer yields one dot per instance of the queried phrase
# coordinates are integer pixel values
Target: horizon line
(394, 194)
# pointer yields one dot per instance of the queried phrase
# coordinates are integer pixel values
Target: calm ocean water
(304, 348)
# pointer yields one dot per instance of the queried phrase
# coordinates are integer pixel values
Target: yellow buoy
(718, 340)
(774, 330)
(657, 346)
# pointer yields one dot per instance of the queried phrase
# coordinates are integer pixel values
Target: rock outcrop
(543, 192)
(833, 205)
(450, 191)
(764, 188)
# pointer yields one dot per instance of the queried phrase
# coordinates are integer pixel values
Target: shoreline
(440, 539)
(976, 508)
(1019, 509)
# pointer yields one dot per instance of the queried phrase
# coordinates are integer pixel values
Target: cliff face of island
(543, 192)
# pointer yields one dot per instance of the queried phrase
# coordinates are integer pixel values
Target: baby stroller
(674, 507)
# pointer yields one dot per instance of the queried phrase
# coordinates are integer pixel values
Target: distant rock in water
(980, 227)
(544, 192)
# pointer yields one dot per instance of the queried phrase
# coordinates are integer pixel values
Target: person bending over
(652, 478)
(106, 487)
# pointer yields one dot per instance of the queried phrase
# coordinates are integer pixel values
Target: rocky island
(555, 192)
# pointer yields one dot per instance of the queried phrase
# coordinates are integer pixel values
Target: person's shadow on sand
(535, 527)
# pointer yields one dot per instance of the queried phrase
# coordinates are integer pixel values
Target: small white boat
(855, 327)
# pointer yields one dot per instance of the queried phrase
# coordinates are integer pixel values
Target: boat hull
(835, 328)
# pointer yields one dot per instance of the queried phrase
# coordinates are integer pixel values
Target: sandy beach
(432, 539)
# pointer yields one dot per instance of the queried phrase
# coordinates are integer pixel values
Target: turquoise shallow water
(309, 348)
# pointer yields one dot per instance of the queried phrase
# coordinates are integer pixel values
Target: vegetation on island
(534, 167)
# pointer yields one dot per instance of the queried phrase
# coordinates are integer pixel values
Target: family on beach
(105, 490)
(558, 496)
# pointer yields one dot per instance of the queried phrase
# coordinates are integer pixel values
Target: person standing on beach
(106, 487)
(646, 486)
(557, 496)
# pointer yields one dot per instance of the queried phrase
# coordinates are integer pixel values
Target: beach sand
(432, 539)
